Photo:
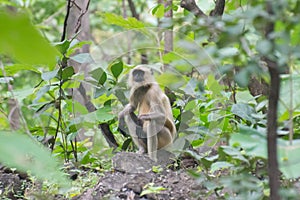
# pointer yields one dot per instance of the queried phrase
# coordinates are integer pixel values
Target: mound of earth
(136, 177)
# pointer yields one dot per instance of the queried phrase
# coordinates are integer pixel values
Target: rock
(139, 163)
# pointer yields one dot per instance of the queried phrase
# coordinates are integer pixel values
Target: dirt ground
(132, 175)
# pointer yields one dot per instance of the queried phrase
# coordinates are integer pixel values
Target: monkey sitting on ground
(154, 127)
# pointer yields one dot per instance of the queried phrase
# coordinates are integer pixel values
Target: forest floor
(137, 177)
(133, 177)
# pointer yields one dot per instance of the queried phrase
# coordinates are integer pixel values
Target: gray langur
(154, 127)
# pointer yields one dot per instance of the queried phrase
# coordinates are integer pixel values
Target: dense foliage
(209, 76)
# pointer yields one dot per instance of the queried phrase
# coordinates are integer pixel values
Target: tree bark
(77, 19)
(14, 113)
(191, 6)
(144, 57)
(169, 32)
(274, 72)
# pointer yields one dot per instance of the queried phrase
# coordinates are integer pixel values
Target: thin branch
(219, 8)
(78, 25)
(191, 6)
(133, 10)
(63, 37)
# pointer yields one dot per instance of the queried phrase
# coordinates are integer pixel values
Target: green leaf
(234, 153)
(41, 92)
(63, 46)
(219, 166)
(289, 161)
(158, 10)
(289, 96)
(104, 114)
(151, 189)
(99, 92)
(49, 75)
(82, 58)
(170, 57)
(117, 69)
(99, 75)
(171, 80)
(44, 107)
(253, 142)
(244, 111)
(264, 47)
(99, 116)
(21, 152)
(228, 52)
(129, 23)
(76, 44)
(22, 94)
(214, 86)
(242, 77)
(20, 40)
(66, 73)
(13, 69)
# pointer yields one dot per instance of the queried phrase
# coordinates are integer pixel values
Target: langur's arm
(121, 118)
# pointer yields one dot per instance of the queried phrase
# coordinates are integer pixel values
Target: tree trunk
(273, 67)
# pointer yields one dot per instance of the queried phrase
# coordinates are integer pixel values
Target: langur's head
(141, 75)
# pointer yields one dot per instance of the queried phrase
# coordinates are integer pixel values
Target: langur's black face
(138, 75)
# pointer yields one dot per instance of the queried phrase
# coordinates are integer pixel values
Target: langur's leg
(164, 138)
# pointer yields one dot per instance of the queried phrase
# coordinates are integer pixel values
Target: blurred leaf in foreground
(20, 152)
(20, 40)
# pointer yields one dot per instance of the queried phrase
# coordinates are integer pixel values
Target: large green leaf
(82, 58)
(220, 165)
(254, 144)
(158, 10)
(99, 75)
(66, 73)
(20, 40)
(289, 96)
(49, 75)
(244, 111)
(289, 160)
(117, 68)
(21, 152)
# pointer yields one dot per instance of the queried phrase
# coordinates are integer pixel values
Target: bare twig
(82, 13)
